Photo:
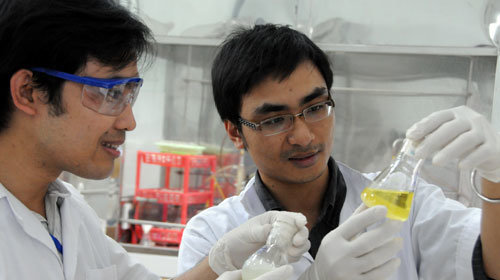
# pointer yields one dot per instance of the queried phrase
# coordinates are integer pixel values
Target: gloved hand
(459, 133)
(350, 253)
(231, 251)
(283, 273)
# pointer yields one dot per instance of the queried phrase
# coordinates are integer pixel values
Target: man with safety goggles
(68, 80)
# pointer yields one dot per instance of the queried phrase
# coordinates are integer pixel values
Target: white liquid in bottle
(256, 270)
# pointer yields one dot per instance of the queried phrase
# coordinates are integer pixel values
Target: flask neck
(280, 234)
(407, 162)
(279, 239)
(407, 154)
(275, 240)
(408, 159)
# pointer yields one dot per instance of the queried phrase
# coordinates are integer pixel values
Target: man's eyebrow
(136, 75)
(267, 108)
(317, 92)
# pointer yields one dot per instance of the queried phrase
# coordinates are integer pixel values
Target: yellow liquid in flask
(398, 203)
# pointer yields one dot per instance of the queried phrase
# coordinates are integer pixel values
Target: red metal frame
(168, 196)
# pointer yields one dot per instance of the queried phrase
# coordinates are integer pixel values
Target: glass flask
(146, 239)
(395, 185)
(273, 254)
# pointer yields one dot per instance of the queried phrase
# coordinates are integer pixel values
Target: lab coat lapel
(70, 234)
(354, 181)
(27, 220)
(251, 201)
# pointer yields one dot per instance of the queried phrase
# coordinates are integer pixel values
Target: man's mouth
(302, 156)
(111, 146)
(304, 160)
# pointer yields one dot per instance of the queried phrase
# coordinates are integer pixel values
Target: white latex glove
(462, 134)
(231, 251)
(283, 273)
(350, 253)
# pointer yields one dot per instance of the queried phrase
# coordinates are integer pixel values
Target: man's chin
(310, 177)
(95, 173)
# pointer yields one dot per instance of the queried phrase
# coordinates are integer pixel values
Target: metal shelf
(153, 223)
(348, 48)
(397, 92)
(188, 41)
(154, 250)
(420, 50)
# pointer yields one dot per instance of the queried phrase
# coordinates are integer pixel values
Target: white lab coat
(28, 252)
(439, 236)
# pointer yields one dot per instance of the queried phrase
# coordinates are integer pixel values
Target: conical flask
(273, 254)
(395, 185)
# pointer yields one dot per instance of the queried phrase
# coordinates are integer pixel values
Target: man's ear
(22, 92)
(234, 134)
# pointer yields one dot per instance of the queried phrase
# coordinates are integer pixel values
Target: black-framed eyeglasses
(283, 123)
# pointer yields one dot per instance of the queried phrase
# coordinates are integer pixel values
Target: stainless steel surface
(402, 49)
(165, 251)
(379, 96)
(357, 48)
(153, 223)
(478, 192)
(395, 92)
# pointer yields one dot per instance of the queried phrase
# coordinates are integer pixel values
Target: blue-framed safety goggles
(104, 96)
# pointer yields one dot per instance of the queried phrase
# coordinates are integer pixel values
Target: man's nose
(126, 120)
(300, 134)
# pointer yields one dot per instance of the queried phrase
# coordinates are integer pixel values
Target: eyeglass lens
(110, 101)
(282, 123)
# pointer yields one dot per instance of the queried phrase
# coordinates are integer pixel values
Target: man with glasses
(271, 87)
(68, 81)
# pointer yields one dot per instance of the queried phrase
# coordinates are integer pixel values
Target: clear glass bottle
(273, 254)
(395, 185)
(146, 238)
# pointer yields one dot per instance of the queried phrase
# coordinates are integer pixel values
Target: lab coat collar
(353, 180)
(70, 230)
(70, 227)
(29, 222)
(58, 188)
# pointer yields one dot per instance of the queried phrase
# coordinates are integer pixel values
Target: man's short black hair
(64, 35)
(250, 55)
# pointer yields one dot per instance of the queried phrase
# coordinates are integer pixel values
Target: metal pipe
(153, 223)
(392, 92)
